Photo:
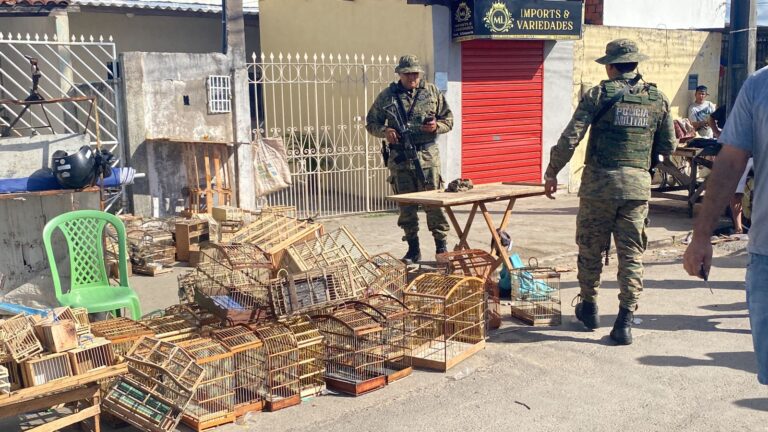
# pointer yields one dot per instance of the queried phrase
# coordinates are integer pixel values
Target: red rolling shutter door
(501, 105)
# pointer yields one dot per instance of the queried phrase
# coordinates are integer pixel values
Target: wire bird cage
(383, 274)
(213, 403)
(45, 368)
(311, 364)
(274, 232)
(536, 296)
(280, 373)
(123, 332)
(17, 336)
(233, 295)
(248, 355)
(392, 314)
(480, 264)
(447, 319)
(91, 355)
(326, 249)
(354, 351)
(238, 256)
(162, 379)
(310, 291)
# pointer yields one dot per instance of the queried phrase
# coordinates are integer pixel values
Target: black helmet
(74, 171)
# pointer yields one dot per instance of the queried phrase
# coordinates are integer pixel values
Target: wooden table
(695, 157)
(478, 197)
(80, 388)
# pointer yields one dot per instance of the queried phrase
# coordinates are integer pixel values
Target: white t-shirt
(700, 112)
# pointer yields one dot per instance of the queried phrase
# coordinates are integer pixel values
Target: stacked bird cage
(447, 319)
(161, 380)
(82, 322)
(536, 296)
(384, 274)
(213, 403)
(238, 256)
(93, 354)
(248, 355)
(327, 249)
(151, 245)
(175, 325)
(394, 318)
(233, 295)
(280, 372)
(123, 332)
(17, 335)
(354, 351)
(480, 264)
(274, 232)
(15, 378)
(318, 289)
(311, 365)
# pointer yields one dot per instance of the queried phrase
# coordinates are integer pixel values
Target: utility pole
(741, 46)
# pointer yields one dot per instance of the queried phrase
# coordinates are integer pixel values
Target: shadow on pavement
(743, 361)
(733, 307)
(543, 334)
(757, 404)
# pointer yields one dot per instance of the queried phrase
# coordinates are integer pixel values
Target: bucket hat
(408, 64)
(621, 51)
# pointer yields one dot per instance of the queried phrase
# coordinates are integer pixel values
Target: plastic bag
(271, 166)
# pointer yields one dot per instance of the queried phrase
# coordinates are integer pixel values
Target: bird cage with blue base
(536, 295)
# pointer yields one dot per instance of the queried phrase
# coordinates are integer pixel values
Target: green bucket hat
(408, 64)
(621, 51)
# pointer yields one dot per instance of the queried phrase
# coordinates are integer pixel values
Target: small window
(219, 94)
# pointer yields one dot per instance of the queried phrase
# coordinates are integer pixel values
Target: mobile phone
(429, 119)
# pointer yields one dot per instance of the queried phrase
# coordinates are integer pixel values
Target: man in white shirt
(699, 112)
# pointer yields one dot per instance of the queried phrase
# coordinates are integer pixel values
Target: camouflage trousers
(596, 221)
(406, 181)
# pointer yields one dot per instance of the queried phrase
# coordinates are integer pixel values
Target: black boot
(440, 246)
(622, 328)
(414, 252)
(586, 312)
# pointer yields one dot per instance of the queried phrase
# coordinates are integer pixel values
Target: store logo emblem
(498, 18)
(463, 12)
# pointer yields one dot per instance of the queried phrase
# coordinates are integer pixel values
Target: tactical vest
(623, 137)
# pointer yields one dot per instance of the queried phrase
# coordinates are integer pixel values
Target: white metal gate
(318, 104)
(80, 67)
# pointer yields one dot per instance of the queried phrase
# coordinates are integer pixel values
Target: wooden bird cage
(536, 296)
(384, 274)
(175, 325)
(162, 379)
(17, 335)
(82, 322)
(5, 383)
(327, 249)
(480, 264)
(123, 332)
(354, 351)
(273, 233)
(392, 314)
(238, 256)
(280, 374)
(213, 403)
(447, 319)
(312, 290)
(45, 368)
(233, 295)
(15, 378)
(248, 355)
(94, 354)
(311, 362)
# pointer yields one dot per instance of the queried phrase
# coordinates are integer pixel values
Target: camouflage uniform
(615, 184)
(403, 178)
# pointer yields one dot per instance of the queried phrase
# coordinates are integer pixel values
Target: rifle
(408, 149)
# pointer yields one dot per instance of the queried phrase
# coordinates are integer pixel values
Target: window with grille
(219, 94)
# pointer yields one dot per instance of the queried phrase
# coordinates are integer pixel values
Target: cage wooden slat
(280, 373)
(213, 402)
(248, 356)
(477, 263)
(123, 332)
(309, 340)
(93, 354)
(15, 377)
(447, 319)
(18, 338)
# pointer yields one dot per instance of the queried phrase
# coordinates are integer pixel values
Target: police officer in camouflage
(630, 125)
(426, 115)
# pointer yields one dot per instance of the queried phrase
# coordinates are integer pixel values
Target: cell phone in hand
(429, 119)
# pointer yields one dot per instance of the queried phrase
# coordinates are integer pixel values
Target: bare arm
(721, 185)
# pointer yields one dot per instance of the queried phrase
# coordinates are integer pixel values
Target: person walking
(745, 134)
(629, 125)
(411, 113)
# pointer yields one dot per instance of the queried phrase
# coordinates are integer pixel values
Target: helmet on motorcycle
(74, 170)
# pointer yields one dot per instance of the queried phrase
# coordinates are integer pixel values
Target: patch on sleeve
(630, 115)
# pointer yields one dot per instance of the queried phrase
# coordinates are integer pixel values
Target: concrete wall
(21, 157)
(674, 55)
(668, 14)
(340, 26)
(154, 87)
(558, 84)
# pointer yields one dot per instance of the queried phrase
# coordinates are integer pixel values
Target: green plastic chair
(90, 288)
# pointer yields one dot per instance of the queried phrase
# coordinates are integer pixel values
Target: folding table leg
(462, 233)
